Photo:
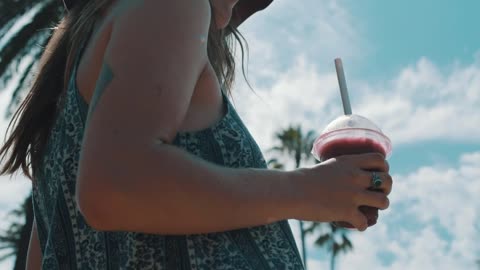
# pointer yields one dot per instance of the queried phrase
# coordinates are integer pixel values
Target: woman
(139, 161)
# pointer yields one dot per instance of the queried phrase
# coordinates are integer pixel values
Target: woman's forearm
(165, 190)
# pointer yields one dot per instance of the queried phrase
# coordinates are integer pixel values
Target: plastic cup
(348, 135)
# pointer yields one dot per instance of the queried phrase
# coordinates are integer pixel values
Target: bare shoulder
(162, 13)
(136, 33)
(153, 56)
(147, 28)
(195, 7)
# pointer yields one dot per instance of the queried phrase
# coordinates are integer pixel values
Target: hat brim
(246, 8)
(241, 12)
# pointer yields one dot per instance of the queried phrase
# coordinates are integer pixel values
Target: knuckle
(388, 184)
(356, 196)
(385, 202)
(389, 180)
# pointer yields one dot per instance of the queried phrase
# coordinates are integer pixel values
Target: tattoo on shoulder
(104, 80)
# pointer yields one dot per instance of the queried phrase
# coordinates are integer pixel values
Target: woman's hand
(335, 189)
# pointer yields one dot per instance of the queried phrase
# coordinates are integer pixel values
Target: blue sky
(403, 31)
(413, 67)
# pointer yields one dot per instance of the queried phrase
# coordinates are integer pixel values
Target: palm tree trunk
(332, 261)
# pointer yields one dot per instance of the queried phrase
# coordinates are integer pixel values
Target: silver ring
(376, 180)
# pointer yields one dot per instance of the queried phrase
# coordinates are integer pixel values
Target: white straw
(347, 108)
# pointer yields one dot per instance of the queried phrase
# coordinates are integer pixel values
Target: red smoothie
(351, 146)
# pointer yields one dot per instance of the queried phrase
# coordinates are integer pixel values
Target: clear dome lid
(351, 121)
(348, 128)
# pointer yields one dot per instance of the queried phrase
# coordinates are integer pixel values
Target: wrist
(294, 193)
(275, 192)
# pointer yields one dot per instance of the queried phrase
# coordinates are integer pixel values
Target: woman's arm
(129, 182)
(34, 256)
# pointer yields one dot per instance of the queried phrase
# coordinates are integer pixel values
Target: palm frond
(16, 238)
(23, 41)
(275, 164)
(347, 243)
(313, 226)
(279, 149)
(9, 9)
(323, 240)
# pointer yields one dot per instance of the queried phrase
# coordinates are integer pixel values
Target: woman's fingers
(373, 199)
(370, 162)
(359, 220)
(365, 180)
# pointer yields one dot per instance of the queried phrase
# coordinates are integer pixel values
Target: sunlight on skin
(318, 103)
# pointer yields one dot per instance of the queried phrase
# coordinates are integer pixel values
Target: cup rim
(385, 141)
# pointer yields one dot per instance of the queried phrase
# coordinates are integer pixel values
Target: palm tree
(334, 239)
(25, 27)
(16, 238)
(295, 144)
(275, 164)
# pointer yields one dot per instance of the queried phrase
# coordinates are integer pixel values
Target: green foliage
(295, 144)
(25, 28)
(21, 49)
(26, 43)
(275, 164)
(334, 239)
(15, 240)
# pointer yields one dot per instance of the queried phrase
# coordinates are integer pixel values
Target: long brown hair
(33, 120)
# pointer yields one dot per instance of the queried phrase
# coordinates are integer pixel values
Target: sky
(412, 67)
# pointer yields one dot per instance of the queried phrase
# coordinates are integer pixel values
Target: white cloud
(291, 67)
(406, 112)
(432, 223)
(429, 227)
(426, 103)
(421, 103)
(321, 29)
(300, 96)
